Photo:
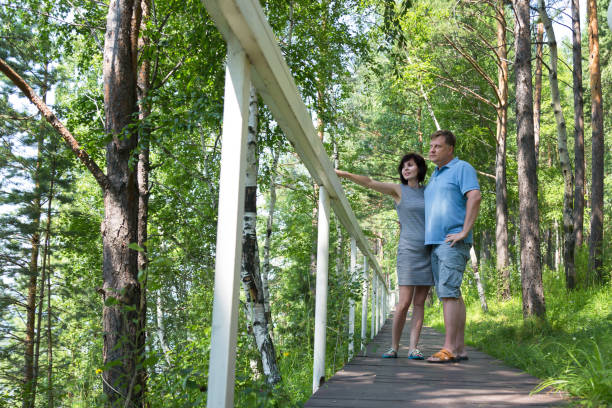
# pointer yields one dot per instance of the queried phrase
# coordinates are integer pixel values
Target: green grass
(570, 350)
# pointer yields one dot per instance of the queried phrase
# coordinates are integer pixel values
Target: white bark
(481, 293)
(429, 107)
(160, 328)
(251, 279)
(265, 273)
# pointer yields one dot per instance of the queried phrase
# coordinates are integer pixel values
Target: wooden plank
(272, 78)
(229, 228)
(371, 381)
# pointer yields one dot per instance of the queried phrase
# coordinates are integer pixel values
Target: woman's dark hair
(419, 161)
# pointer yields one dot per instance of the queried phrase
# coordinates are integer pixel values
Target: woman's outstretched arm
(392, 189)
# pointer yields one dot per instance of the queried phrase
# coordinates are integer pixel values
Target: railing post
(380, 304)
(386, 309)
(364, 302)
(351, 333)
(373, 316)
(318, 376)
(221, 374)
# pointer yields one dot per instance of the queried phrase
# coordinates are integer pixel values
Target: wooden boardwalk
(370, 381)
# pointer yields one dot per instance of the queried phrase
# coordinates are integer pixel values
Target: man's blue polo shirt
(445, 200)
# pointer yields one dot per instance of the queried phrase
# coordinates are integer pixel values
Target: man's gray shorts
(447, 265)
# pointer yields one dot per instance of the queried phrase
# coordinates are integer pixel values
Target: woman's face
(410, 170)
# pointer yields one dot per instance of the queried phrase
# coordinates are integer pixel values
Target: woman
(413, 258)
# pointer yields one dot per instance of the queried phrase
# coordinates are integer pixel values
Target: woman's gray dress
(413, 257)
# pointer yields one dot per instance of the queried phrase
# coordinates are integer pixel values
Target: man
(452, 201)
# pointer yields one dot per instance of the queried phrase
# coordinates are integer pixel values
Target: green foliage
(366, 75)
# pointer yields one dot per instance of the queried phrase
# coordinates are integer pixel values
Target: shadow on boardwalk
(370, 381)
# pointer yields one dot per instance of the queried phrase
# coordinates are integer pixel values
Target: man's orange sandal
(442, 356)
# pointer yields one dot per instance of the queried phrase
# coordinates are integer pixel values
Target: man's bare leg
(454, 324)
(459, 341)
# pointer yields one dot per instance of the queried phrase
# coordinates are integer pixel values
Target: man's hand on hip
(454, 238)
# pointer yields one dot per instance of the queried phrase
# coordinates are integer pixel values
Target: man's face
(439, 152)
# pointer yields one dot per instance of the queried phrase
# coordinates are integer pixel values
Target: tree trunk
(531, 273)
(537, 92)
(159, 312)
(143, 168)
(481, 292)
(251, 279)
(28, 384)
(564, 159)
(50, 399)
(267, 243)
(550, 250)
(123, 375)
(429, 107)
(419, 118)
(123, 378)
(485, 246)
(43, 279)
(557, 247)
(578, 126)
(501, 196)
(598, 147)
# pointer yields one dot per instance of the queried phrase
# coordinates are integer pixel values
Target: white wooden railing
(253, 55)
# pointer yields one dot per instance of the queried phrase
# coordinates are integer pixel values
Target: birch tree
(250, 271)
(564, 159)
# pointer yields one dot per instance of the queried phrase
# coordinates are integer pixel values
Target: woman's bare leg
(405, 298)
(418, 313)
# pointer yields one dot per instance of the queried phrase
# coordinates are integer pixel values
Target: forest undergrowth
(569, 351)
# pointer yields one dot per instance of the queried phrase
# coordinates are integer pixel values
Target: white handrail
(254, 54)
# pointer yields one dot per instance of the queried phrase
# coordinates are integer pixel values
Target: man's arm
(472, 206)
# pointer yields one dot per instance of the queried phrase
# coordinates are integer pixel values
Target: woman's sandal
(415, 354)
(442, 356)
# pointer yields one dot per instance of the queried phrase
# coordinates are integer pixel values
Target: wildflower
(98, 371)
(286, 353)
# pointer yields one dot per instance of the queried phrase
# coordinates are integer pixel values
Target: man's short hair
(449, 137)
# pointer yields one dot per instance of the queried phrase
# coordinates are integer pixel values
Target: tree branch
(473, 63)
(94, 169)
(463, 90)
